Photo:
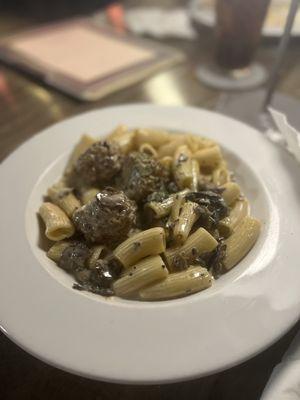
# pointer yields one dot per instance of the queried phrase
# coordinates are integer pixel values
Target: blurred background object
(84, 58)
(160, 22)
(115, 15)
(43, 10)
(284, 383)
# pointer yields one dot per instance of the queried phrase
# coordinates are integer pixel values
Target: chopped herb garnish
(136, 245)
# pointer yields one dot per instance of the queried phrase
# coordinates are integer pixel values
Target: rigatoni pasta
(231, 192)
(183, 225)
(193, 280)
(169, 148)
(160, 209)
(149, 242)
(142, 274)
(236, 214)
(220, 175)
(167, 162)
(97, 252)
(64, 198)
(241, 241)
(195, 175)
(56, 250)
(179, 199)
(183, 167)
(147, 215)
(201, 241)
(84, 144)
(148, 149)
(58, 225)
(88, 194)
(163, 208)
(124, 137)
(154, 137)
(209, 157)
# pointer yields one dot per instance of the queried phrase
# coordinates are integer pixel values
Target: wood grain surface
(26, 107)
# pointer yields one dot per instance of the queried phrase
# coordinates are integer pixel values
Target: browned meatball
(107, 218)
(142, 175)
(74, 257)
(99, 164)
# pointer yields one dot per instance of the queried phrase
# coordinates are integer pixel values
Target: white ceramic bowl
(116, 340)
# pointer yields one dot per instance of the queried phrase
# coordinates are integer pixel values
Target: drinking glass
(237, 34)
(252, 107)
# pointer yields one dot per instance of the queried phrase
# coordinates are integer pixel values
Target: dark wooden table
(26, 107)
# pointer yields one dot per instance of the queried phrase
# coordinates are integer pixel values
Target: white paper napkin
(284, 383)
(286, 135)
(158, 22)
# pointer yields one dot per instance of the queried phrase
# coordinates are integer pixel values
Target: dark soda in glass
(238, 30)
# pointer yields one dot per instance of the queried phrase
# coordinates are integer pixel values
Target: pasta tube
(97, 252)
(154, 137)
(145, 272)
(148, 149)
(182, 167)
(224, 228)
(236, 215)
(203, 142)
(163, 208)
(84, 143)
(197, 243)
(241, 241)
(89, 194)
(195, 175)
(58, 225)
(191, 142)
(183, 225)
(64, 198)
(143, 244)
(176, 207)
(178, 284)
(209, 157)
(118, 132)
(160, 210)
(238, 212)
(134, 231)
(169, 148)
(167, 162)
(124, 138)
(231, 193)
(220, 175)
(55, 251)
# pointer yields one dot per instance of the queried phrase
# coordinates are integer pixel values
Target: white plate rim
(31, 333)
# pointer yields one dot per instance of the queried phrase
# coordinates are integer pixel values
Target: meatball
(74, 257)
(100, 279)
(104, 274)
(142, 175)
(107, 218)
(99, 164)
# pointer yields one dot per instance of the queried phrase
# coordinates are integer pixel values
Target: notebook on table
(85, 60)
